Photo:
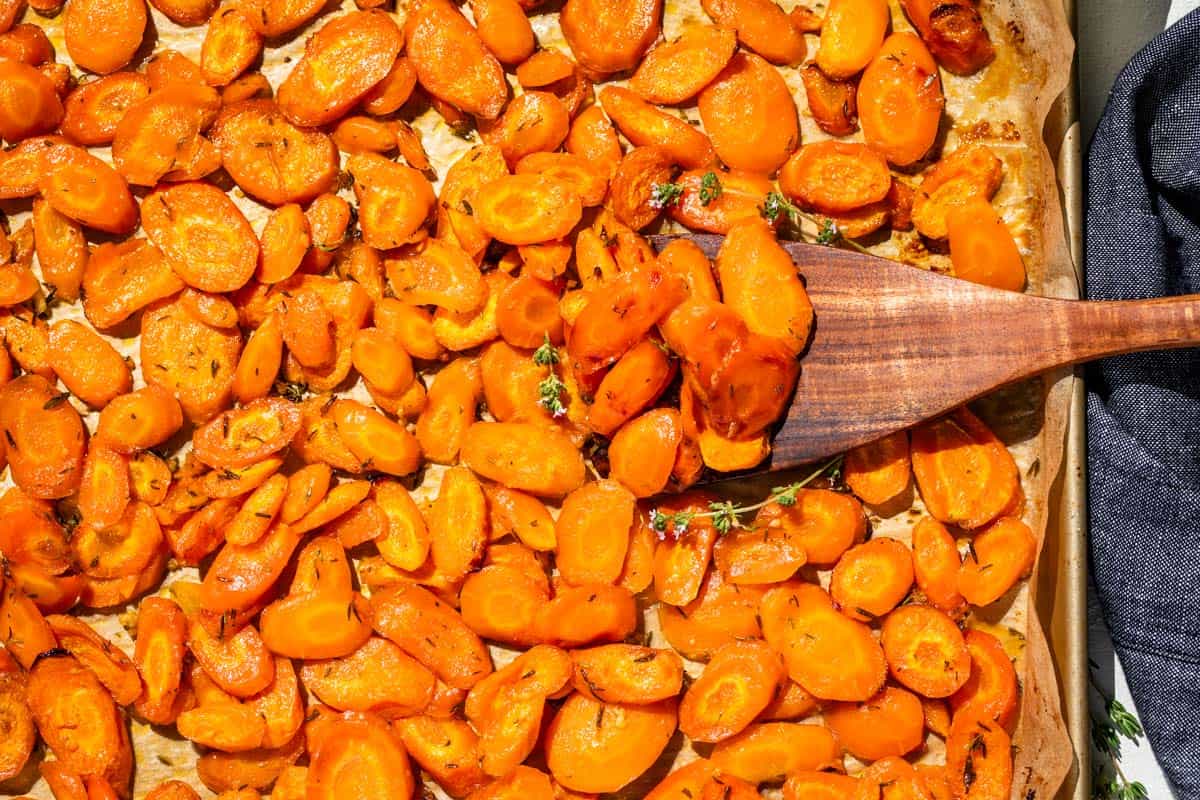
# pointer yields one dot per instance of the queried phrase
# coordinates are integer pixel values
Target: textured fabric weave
(1143, 240)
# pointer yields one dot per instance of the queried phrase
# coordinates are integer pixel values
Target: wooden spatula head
(894, 345)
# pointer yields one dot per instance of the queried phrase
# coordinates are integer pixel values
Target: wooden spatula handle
(1098, 329)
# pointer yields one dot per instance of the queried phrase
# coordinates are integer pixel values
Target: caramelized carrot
(925, 650)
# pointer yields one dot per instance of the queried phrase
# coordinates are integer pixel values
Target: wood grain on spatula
(893, 345)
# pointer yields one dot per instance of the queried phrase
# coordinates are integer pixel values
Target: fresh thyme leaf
(710, 188)
(664, 195)
(726, 516)
(547, 354)
(550, 392)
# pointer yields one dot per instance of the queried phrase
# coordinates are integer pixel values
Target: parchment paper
(1005, 106)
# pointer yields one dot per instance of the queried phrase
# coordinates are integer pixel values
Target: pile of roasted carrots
(515, 326)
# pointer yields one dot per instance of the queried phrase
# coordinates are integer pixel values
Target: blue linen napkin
(1143, 410)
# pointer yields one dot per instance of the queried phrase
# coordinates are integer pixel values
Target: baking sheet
(1005, 106)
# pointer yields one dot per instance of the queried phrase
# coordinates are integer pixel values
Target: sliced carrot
(966, 475)
(159, 652)
(452, 62)
(377, 675)
(601, 747)
(982, 248)
(527, 209)
(737, 684)
(447, 749)
(610, 37)
(900, 100)
(79, 721)
(768, 752)
(872, 578)
(997, 558)
(722, 612)
(979, 760)
(833, 657)
(586, 614)
(271, 159)
(891, 723)
(925, 651)
(431, 632)
(45, 438)
(82, 187)
(991, 692)
(360, 756)
(27, 635)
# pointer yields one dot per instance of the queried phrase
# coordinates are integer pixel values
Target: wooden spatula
(894, 345)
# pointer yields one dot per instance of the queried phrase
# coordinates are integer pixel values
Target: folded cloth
(1143, 240)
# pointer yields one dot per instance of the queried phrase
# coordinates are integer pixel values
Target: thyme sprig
(710, 188)
(726, 516)
(551, 388)
(664, 195)
(1109, 781)
(828, 233)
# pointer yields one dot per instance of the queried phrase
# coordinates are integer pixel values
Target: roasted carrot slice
(431, 632)
(376, 676)
(39, 109)
(527, 209)
(900, 100)
(360, 756)
(84, 188)
(676, 71)
(647, 125)
(237, 776)
(966, 475)
(592, 532)
(736, 685)
(452, 62)
(625, 673)
(742, 196)
(991, 692)
(752, 267)
(17, 721)
(936, 565)
(925, 651)
(501, 451)
(833, 657)
(321, 625)
(592, 136)
(954, 32)
(31, 534)
(851, 34)
(982, 248)
(892, 723)
(161, 136)
(602, 747)
(979, 759)
(214, 262)
(997, 558)
(447, 749)
(880, 471)
(271, 159)
(722, 612)
(110, 665)
(587, 614)
(637, 572)
(607, 37)
(768, 752)
(44, 437)
(159, 651)
(341, 63)
(189, 359)
(759, 555)
(750, 94)
(27, 635)
(872, 578)
(79, 721)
